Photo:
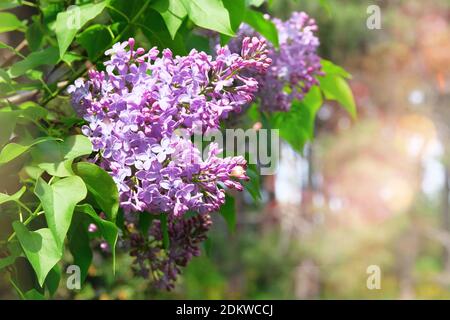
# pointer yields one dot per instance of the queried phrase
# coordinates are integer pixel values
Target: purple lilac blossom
(134, 108)
(295, 65)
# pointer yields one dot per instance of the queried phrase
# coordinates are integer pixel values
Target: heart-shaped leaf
(59, 200)
(69, 22)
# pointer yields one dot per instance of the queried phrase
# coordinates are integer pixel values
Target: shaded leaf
(32, 110)
(101, 187)
(297, 125)
(95, 39)
(8, 121)
(330, 68)
(5, 262)
(107, 229)
(145, 221)
(253, 185)
(33, 294)
(228, 212)
(255, 3)
(59, 200)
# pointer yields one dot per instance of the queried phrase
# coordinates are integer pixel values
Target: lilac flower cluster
(137, 105)
(295, 64)
(163, 266)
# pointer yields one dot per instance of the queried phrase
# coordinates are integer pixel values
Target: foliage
(51, 192)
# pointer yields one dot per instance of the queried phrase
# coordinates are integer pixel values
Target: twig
(84, 69)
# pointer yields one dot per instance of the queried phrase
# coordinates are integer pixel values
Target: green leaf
(173, 13)
(325, 4)
(101, 187)
(48, 56)
(33, 111)
(330, 68)
(236, 10)
(76, 146)
(70, 57)
(8, 121)
(5, 262)
(33, 171)
(79, 246)
(8, 4)
(107, 229)
(69, 22)
(155, 30)
(95, 39)
(208, 246)
(124, 10)
(297, 125)
(253, 185)
(14, 248)
(34, 34)
(255, 3)
(13, 150)
(9, 22)
(53, 279)
(5, 46)
(56, 158)
(58, 169)
(336, 88)
(14, 197)
(209, 14)
(228, 212)
(5, 76)
(40, 249)
(145, 221)
(263, 26)
(59, 200)
(165, 230)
